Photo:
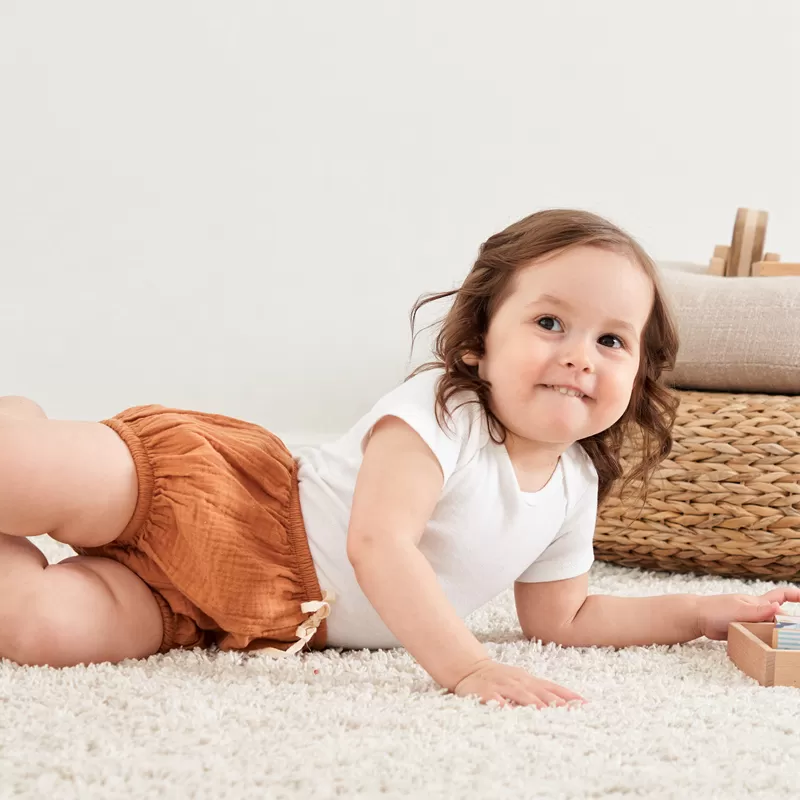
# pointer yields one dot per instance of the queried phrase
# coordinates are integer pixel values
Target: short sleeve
(571, 553)
(414, 402)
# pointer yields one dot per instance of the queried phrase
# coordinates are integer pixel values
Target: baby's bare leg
(83, 610)
(20, 407)
(75, 481)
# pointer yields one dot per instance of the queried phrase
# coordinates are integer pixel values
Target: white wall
(233, 206)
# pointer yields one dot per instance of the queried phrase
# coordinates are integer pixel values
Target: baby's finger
(792, 594)
(567, 694)
(497, 698)
(551, 698)
(785, 594)
(523, 697)
(504, 700)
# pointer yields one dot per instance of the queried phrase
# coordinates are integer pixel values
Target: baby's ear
(470, 359)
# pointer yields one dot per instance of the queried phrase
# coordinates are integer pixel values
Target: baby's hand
(512, 685)
(717, 611)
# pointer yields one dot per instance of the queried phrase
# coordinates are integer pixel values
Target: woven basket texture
(726, 501)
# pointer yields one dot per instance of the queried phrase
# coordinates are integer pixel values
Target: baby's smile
(564, 391)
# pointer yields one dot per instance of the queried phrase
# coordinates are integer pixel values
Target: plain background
(232, 207)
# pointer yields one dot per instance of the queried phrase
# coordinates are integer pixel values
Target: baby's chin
(557, 433)
(560, 437)
(559, 423)
(554, 443)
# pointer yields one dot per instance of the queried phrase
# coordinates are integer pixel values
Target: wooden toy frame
(750, 648)
(745, 256)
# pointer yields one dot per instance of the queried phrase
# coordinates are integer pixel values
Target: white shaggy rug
(662, 722)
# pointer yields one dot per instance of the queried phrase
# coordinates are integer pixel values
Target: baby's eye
(613, 336)
(541, 319)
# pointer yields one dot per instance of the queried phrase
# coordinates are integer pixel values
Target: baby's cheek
(613, 406)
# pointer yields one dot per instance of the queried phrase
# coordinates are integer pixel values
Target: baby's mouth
(565, 391)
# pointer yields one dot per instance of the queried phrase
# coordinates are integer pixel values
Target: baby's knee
(16, 407)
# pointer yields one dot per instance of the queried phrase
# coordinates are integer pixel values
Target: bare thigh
(73, 480)
(82, 610)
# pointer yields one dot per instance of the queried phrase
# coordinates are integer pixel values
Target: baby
(482, 470)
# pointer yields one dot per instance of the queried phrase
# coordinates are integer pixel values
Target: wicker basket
(727, 499)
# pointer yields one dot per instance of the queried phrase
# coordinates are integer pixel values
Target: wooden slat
(747, 244)
(786, 671)
(749, 648)
(751, 653)
(775, 269)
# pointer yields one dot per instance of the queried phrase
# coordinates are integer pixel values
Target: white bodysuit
(484, 534)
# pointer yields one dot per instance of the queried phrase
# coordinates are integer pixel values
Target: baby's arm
(561, 612)
(397, 489)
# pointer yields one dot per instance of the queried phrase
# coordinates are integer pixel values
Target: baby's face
(586, 334)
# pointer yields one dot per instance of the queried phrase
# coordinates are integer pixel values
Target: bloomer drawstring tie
(321, 610)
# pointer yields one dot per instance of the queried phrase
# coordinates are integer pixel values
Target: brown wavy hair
(651, 412)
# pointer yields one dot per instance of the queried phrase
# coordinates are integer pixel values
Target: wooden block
(747, 244)
(788, 638)
(719, 261)
(749, 647)
(716, 266)
(771, 257)
(774, 269)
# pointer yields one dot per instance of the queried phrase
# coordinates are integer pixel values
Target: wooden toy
(745, 256)
(749, 647)
(771, 267)
(786, 633)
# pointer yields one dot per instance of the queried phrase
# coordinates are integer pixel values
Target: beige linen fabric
(737, 334)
